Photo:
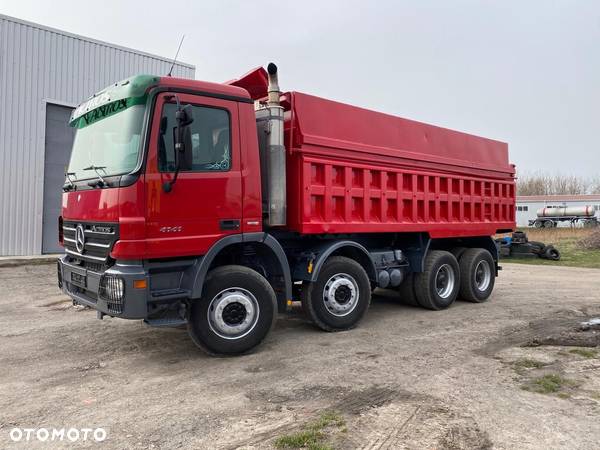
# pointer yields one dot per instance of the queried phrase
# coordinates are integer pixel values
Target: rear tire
(236, 312)
(437, 286)
(340, 296)
(407, 290)
(477, 271)
(458, 251)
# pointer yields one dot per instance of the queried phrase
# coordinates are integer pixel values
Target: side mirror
(186, 156)
(182, 138)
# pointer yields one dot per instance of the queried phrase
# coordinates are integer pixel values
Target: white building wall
(40, 65)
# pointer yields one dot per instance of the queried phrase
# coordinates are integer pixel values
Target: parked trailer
(550, 217)
(218, 205)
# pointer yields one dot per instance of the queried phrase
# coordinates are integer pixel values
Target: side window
(211, 148)
(525, 208)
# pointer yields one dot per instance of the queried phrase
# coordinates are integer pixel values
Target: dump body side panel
(351, 170)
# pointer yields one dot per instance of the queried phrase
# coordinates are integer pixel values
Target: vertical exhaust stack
(269, 120)
(273, 89)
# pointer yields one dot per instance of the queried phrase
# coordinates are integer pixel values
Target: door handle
(229, 224)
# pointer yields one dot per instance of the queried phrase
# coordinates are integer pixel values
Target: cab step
(167, 322)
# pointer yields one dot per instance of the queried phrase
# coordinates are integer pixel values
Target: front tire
(236, 312)
(437, 286)
(477, 270)
(340, 296)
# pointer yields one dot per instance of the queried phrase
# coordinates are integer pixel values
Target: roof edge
(94, 41)
(557, 197)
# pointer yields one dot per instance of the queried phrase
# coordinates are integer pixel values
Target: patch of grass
(549, 384)
(303, 439)
(312, 436)
(522, 365)
(585, 352)
(527, 363)
(568, 243)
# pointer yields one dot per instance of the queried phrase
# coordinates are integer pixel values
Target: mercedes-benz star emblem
(80, 238)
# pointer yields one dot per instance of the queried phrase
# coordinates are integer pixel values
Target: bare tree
(541, 183)
(595, 185)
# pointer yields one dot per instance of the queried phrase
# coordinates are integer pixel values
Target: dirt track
(406, 378)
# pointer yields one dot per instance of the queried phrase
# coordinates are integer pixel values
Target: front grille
(89, 295)
(99, 239)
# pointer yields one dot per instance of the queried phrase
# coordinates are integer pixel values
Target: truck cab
(141, 216)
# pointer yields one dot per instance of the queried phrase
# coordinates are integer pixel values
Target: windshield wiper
(100, 182)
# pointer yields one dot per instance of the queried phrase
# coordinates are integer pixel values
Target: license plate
(78, 279)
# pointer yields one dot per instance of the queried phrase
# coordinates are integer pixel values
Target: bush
(591, 241)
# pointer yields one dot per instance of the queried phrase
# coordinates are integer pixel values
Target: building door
(59, 140)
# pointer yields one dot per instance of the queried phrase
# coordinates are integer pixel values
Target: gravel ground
(468, 377)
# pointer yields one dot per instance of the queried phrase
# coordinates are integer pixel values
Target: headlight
(112, 289)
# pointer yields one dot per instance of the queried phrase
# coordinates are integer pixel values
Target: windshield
(110, 145)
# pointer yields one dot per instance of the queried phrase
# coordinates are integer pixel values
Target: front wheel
(236, 312)
(340, 296)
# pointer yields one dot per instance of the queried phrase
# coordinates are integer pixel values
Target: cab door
(205, 203)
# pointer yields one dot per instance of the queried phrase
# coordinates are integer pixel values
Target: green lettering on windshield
(106, 110)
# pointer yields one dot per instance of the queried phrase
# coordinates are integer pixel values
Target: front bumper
(132, 305)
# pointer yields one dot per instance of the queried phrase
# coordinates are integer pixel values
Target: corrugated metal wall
(40, 65)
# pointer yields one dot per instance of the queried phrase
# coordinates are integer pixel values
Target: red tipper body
(352, 170)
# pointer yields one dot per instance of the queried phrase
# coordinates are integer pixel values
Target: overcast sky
(524, 72)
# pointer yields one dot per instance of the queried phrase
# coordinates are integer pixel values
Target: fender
(318, 256)
(200, 269)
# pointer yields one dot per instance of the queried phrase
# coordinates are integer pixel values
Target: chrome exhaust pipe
(273, 89)
(270, 121)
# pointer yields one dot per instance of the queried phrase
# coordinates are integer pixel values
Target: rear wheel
(407, 290)
(340, 296)
(477, 271)
(458, 251)
(236, 312)
(437, 286)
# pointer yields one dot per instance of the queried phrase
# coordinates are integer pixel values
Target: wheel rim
(233, 313)
(340, 294)
(483, 275)
(445, 280)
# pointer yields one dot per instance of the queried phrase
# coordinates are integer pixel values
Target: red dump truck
(218, 205)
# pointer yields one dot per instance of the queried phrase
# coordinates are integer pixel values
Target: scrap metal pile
(518, 245)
